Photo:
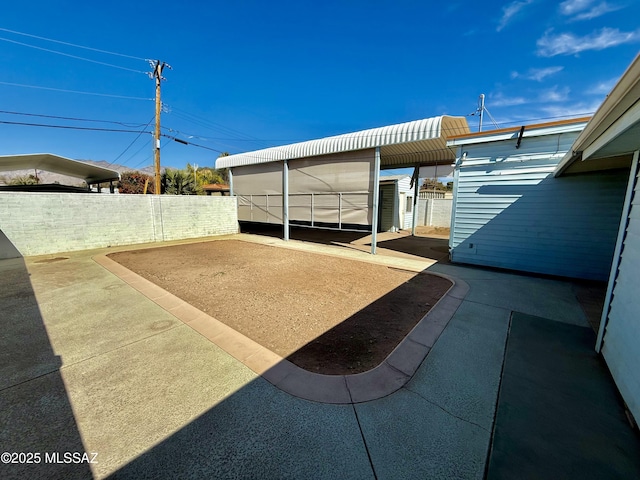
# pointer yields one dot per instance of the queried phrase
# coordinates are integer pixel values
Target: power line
(72, 56)
(74, 91)
(72, 44)
(71, 127)
(144, 145)
(132, 125)
(184, 142)
(131, 144)
(149, 157)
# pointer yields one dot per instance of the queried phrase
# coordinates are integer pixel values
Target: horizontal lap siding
(512, 213)
(622, 337)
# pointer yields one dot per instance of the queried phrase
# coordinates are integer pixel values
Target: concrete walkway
(89, 364)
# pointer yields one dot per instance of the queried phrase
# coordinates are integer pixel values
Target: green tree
(223, 172)
(179, 182)
(432, 184)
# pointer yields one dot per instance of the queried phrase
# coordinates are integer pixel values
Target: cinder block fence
(45, 223)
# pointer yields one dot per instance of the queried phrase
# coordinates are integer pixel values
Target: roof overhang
(421, 142)
(54, 163)
(613, 134)
(524, 131)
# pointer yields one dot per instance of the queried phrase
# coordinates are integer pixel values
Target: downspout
(622, 229)
(376, 198)
(285, 199)
(231, 182)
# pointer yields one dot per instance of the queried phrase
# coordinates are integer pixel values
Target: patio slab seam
(389, 376)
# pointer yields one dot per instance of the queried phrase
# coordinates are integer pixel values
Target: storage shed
(511, 211)
(396, 203)
(333, 182)
(610, 139)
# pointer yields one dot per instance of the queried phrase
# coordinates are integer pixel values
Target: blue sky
(253, 74)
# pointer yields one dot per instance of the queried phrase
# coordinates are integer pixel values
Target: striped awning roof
(421, 142)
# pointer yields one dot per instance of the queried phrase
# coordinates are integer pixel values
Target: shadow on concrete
(555, 386)
(433, 248)
(262, 432)
(419, 246)
(35, 411)
(314, 235)
(7, 248)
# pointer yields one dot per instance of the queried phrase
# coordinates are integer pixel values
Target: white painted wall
(44, 223)
(621, 346)
(434, 212)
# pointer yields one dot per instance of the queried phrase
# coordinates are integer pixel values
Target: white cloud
(597, 11)
(551, 45)
(602, 88)
(571, 7)
(554, 94)
(578, 109)
(510, 11)
(586, 10)
(499, 100)
(537, 74)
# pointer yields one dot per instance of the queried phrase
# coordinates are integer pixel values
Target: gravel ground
(325, 314)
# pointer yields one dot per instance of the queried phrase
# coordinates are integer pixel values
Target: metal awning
(53, 163)
(421, 142)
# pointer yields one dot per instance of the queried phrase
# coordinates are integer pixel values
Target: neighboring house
(334, 182)
(612, 139)
(89, 173)
(217, 189)
(510, 211)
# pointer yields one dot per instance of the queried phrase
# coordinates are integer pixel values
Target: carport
(91, 174)
(333, 182)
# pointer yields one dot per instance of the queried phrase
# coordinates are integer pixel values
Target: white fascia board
(630, 118)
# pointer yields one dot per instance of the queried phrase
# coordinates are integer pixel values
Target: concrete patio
(90, 364)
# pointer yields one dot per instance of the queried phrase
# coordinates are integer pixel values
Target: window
(409, 204)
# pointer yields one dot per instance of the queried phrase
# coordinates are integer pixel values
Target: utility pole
(157, 67)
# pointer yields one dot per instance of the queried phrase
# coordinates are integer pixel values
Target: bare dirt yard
(325, 314)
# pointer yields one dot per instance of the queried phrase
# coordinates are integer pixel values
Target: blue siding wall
(622, 335)
(511, 212)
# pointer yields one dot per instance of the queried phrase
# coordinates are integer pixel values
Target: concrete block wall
(434, 212)
(44, 223)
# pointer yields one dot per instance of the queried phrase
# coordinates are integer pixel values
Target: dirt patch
(432, 231)
(325, 314)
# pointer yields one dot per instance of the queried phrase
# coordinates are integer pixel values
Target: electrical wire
(72, 44)
(71, 127)
(145, 145)
(162, 147)
(72, 56)
(74, 91)
(132, 125)
(131, 144)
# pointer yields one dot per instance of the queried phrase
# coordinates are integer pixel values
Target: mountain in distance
(52, 177)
